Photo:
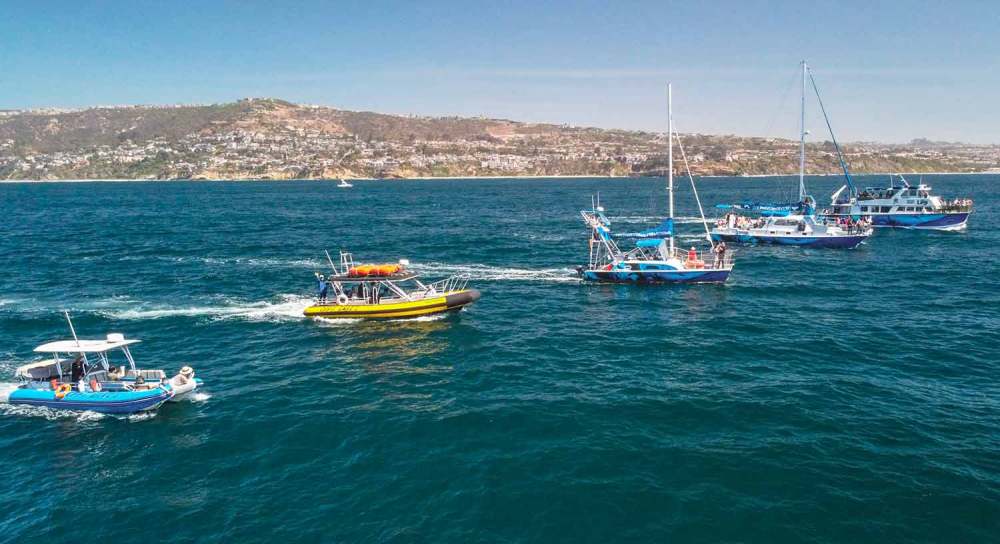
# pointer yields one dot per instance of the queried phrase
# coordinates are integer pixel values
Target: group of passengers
(959, 203)
(324, 286)
(740, 222)
(855, 226)
(78, 372)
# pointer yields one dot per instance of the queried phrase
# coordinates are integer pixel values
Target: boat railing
(958, 205)
(457, 282)
(706, 258)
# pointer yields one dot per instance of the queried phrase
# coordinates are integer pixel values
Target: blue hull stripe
(105, 403)
(920, 221)
(635, 276)
(845, 242)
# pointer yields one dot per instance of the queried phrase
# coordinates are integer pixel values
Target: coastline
(474, 178)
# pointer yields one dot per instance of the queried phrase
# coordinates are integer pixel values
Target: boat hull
(656, 276)
(836, 242)
(399, 310)
(930, 221)
(117, 402)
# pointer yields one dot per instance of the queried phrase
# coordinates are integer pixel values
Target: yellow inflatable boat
(385, 291)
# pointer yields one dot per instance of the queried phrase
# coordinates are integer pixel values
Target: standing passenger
(323, 287)
(720, 255)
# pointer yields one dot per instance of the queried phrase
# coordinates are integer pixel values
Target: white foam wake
(651, 218)
(5, 390)
(262, 262)
(24, 410)
(288, 307)
(198, 396)
(497, 273)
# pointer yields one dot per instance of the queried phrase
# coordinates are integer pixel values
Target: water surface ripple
(821, 396)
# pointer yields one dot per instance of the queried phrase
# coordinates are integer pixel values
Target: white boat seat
(147, 375)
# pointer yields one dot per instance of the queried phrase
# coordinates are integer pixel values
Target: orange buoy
(63, 390)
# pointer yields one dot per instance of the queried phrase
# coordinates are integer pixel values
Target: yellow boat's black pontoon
(385, 291)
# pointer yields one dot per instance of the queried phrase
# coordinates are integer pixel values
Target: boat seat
(147, 374)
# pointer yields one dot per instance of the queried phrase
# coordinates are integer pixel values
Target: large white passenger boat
(901, 205)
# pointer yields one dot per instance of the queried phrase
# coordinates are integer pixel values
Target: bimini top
(113, 341)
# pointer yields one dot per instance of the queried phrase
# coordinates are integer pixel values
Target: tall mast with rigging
(802, 137)
(670, 162)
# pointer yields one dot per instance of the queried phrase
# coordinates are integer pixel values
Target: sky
(887, 71)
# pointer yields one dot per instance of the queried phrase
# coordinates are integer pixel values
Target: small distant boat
(385, 291)
(88, 379)
(793, 224)
(901, 205)
(343, 183)
(655, 259)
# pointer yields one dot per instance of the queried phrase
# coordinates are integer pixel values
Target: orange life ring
(63, 390)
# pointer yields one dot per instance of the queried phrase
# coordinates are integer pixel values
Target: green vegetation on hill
(274, 139)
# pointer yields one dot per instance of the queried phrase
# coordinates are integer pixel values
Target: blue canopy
(649, 242)
(603, 232)
(666, 228)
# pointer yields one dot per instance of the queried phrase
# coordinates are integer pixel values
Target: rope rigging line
(840, 154)
(694, 189)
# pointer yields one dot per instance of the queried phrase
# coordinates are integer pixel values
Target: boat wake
(198, 396)
(5, 390)
(288, 307)
(50, 414)
(485, 272)
(261, 262)
(651, 219)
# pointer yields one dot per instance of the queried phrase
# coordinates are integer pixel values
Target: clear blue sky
(888, 71)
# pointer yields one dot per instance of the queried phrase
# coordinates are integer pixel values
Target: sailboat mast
(802, 138)
(670, 160)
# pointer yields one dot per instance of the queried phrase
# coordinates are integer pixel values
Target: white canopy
(84, 346)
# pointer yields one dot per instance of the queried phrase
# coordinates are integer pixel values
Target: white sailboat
(797, 224)
(655, 259)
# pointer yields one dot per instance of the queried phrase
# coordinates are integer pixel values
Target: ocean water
(820, 396)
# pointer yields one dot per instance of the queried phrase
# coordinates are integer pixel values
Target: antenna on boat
(330, 260)
(670, 162)
(72, 330)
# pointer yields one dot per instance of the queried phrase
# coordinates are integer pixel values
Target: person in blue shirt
(323, 287)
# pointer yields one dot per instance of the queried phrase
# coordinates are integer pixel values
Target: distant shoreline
(473, 178)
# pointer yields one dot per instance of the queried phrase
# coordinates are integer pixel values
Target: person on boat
(720, 255)
(76, 369)
(323, 287)
(692, 254)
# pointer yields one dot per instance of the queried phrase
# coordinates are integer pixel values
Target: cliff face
(274, 139)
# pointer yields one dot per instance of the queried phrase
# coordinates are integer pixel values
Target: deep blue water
(820, 396)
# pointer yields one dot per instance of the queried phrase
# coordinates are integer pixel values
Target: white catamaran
(794, 224)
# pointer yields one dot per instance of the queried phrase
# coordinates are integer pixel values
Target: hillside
(274, 139)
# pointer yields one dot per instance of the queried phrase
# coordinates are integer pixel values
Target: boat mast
(802, 138)
(670, 162)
